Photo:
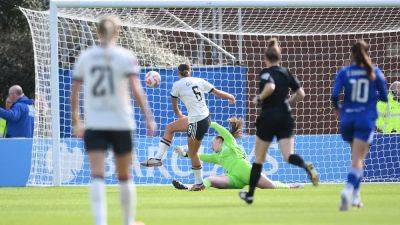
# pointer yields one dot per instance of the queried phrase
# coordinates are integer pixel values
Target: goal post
(315, 36)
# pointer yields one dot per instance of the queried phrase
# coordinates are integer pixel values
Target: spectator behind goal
(20, 115)
(389, 112)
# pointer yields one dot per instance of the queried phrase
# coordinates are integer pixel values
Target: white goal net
(224, 46)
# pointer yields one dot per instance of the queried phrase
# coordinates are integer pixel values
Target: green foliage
(16, 51)
(166, 206)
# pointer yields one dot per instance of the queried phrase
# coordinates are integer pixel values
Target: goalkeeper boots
(312, 173)
(179, 185)
(151, 162)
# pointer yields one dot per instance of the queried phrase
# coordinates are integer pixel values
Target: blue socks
(354, 179)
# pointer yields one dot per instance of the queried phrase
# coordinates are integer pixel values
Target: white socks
(162, 148)
(127, 198)
(98, 199)
(198, 175)
(128, 201)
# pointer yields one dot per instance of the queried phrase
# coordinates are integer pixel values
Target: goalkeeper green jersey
(231, 157)
(389, 115)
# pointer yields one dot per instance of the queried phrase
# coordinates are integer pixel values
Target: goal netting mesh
(225, 46)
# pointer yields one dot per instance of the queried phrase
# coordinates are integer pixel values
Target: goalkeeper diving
(229, 155)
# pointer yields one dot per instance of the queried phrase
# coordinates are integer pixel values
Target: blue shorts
(357, 127)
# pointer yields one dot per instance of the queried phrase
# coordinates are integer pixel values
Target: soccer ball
(153, 79)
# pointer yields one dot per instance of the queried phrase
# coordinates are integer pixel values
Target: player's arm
(224, 95)
(210, 158)
(268, 89)
(381, 86)
(337, 88)
(295, 86)
(298, 95)
(209, 88)
(141, 99)
(175, 107)
(174, 101)
(223, 132)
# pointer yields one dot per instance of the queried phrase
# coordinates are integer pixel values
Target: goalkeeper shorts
(236, 182)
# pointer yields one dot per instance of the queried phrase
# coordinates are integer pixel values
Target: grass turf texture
(165, 206)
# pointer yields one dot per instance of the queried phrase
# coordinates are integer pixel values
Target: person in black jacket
(275, 119)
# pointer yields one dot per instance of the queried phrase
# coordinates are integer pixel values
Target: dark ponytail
(273, 51)
(360, 56)
(184, 70)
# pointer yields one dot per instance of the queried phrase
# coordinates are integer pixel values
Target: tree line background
(16, 51)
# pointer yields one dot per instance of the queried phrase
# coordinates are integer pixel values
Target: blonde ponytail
(236, 127)
(108, 29)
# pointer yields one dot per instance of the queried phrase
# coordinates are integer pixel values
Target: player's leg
(179, 125)
(96, 145)
(122, 145)
(265, 183)
(286, 145)
(127, 188)
(194, 146)
(264, 135)
(97, 186)
(351, 192)
(196, 132)
(220, 181)
(261, 148)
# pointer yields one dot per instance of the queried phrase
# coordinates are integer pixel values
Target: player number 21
(359, 90)
(104, 82)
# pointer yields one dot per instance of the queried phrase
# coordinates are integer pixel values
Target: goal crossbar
(223, 3)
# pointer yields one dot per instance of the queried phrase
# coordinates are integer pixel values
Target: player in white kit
(107, 72)
(190, 90)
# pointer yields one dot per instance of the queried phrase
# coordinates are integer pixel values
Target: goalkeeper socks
(297, 160)
(254, 177)
(162, 148)
(128, 201)
(198, 175)
(98, 199)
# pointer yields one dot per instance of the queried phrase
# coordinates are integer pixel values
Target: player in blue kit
(363, 84)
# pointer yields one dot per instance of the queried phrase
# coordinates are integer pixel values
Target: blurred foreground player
(107, 73)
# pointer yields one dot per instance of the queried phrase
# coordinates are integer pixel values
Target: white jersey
(191, 91)
(104, 72)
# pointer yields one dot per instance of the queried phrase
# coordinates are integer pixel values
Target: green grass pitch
(165, 206)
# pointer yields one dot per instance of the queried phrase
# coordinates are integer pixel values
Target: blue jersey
(360, 93)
